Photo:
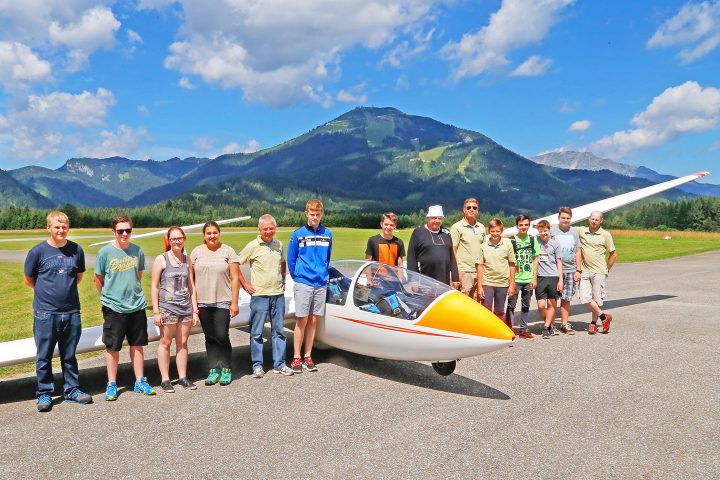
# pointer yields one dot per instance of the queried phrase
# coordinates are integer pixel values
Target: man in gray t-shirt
(570, 253)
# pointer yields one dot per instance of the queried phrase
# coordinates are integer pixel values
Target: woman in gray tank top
(174, 307)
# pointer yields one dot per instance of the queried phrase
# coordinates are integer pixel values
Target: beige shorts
(592, 287)
(168, 318)
(469, 282)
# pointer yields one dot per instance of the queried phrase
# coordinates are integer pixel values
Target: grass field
(16, 301)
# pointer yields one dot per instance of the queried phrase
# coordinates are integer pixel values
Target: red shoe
(606, 323)
(526, 335)
(592, 329)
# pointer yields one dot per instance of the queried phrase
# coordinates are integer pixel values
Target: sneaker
(592, 329)
(546, 333)
(213, 377)
(78, 396)
(225, 376)
(283, 370)
(258, 372)
(142, 386)
(308, 364)
(567, 329)
(167, 387)
(296, 365)
(606, 323)
(187, 384)
(526, 335)
(44, 403)
(553, 331)
(111, 391)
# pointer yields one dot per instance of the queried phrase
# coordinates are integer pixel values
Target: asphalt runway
(640, 402)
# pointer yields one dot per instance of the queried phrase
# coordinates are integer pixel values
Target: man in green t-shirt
(526, 250)
(596, 243)
(118, 269)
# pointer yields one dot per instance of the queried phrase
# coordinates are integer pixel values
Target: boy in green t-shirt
(526, 250)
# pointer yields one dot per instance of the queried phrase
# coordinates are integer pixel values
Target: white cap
(435, 211)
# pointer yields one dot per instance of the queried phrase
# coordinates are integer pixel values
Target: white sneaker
(283, 370)
(258, 372)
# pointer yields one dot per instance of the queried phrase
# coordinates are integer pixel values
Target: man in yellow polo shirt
(596, 243)
(267, 269)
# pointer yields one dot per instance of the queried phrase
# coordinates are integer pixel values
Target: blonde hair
(59, 217)
(495, 222)
(390, 216)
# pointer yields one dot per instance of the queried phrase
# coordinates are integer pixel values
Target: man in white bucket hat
(430, 250)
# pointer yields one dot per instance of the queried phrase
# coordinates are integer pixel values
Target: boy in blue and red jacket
(308, 259)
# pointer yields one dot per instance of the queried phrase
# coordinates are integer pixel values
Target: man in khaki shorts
(467, 235)
(596, 243)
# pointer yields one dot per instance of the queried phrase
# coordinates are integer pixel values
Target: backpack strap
(514, 244)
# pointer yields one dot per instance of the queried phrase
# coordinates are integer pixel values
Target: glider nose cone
(459, 313)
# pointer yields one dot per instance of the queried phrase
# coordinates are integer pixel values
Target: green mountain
(15, 193)
(383, 158)
(91, 182)
(62, 187)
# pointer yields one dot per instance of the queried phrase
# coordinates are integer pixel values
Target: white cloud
(122, 143)
(185, 82)
(352, 95)
(580, 126)
(518, 24)
(154, 4)
(36, 127)
(134, 37)
(406, 50)
(95, 29)
(143, 110)
(20, 67)
(402, 83)
(687, 108)
(203, 144)
(696, 27)
(251, 146)
(532, 67)
(282, 51)
(74, 27)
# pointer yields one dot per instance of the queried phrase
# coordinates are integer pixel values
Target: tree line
(701, 214)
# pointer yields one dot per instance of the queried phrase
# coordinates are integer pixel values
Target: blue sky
(638, 82)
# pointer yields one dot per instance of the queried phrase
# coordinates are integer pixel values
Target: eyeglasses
(120, 231)
(471, 208)
(179, 239)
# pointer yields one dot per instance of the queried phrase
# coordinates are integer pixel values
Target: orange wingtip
(701, 174)
(458, 313)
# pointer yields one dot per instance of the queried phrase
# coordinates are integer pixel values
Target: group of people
(204, 288)
(498, 271)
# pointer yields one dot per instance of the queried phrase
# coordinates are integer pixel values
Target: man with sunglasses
(118, 270)
(467, 235)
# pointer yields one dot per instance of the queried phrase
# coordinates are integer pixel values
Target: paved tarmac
(641, 402)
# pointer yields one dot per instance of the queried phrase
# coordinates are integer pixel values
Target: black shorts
(547, 288)
(119, 325)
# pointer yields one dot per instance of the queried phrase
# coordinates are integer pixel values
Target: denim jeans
(260, 307)
(63, 330)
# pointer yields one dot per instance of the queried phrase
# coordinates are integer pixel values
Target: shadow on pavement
(409, 373)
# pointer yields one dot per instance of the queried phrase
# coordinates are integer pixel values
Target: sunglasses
(120, 231)
(471, 208)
